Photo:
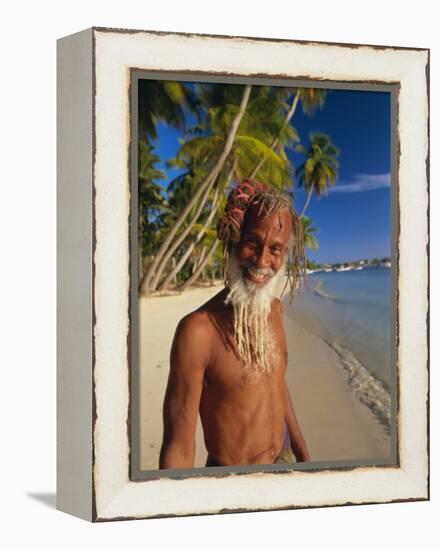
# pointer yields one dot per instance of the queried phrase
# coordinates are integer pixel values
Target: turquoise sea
(351, 311)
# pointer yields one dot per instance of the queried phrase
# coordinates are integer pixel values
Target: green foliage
(265, 118)
(310, 264)
(151, 200)
(262, 141)
(276, 169)
(312, 99)
(310, 240)
(261, 124)
(320, 167)
(163, 101)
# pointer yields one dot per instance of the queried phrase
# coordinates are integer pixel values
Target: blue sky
(353, 220)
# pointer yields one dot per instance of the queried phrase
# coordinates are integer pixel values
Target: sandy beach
(335, 424)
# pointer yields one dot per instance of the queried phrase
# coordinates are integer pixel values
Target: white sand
(158, 319)
(335, 424)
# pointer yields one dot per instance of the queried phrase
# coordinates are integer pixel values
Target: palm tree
(259, 146)
(320, 168)
(203, 188)
(151, 201)
(260, 122)
(166, 102)
(310, 240)
(264, 132)
(311, 100)
(201, 229)
(163, 101)
(201, 266)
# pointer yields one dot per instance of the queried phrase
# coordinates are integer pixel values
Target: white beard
(252, 305)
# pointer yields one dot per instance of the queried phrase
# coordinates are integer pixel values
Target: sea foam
(319, 290)
(368, 389)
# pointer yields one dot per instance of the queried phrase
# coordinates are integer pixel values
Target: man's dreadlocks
(268, 200)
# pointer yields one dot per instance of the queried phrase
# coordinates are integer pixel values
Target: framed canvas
(359, 377)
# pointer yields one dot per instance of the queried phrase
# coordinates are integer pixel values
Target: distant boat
(358, 268)
(344, 268)
(328, 270)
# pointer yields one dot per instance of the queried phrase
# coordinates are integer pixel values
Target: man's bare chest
(226, 371)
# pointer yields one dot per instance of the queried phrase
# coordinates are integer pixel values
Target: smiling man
(229, 357)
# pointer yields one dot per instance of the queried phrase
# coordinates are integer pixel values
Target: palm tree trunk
(309, 196)
(191, 247)
(201, 266)
(211, 177)
(199, 260)
(277, 139)
(179, 240)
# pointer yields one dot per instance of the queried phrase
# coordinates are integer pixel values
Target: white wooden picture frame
(94, 322)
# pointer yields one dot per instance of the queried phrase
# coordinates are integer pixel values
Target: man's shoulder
(192, 341)
(195, 321)
(194, 327)
(198, 325)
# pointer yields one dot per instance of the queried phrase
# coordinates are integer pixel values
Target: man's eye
(275, 250)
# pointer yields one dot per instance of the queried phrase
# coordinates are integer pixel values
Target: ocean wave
(367, 388)
(319, 290)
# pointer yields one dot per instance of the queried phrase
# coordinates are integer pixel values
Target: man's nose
(262, 258)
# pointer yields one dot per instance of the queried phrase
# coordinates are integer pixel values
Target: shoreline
(335, 423)
(365, 363)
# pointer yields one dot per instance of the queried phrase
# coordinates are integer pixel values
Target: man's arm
(297, 442)
(189, 358)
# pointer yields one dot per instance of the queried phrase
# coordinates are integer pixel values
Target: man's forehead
(279, 222)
